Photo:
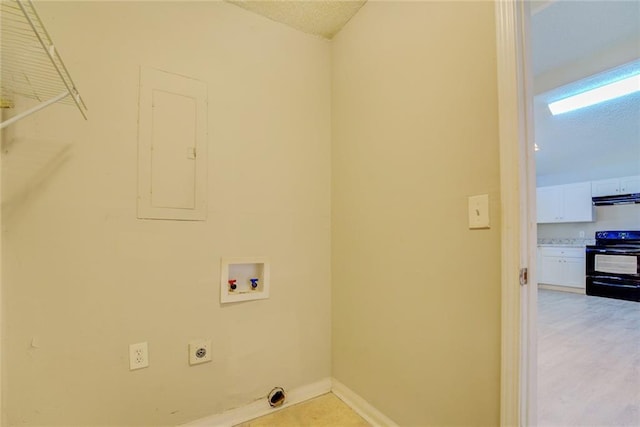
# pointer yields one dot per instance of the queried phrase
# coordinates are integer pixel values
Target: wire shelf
(30, 64)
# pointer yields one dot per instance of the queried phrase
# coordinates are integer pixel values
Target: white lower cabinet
(562, 266)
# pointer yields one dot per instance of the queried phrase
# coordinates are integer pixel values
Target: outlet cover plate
(138, 356)
(199, 352)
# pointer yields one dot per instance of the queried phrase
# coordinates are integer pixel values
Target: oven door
(620, 261)
(613, 287)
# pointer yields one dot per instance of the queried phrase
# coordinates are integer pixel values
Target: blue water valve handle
(254, 283)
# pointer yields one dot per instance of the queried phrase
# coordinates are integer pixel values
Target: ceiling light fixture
(595, 96)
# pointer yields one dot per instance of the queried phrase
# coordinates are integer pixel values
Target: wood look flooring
(588, 360)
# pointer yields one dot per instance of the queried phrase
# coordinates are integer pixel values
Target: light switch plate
(479, 211)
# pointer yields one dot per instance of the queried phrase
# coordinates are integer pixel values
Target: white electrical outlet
(138, 356)
(199, 352)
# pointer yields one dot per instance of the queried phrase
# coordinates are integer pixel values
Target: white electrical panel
(244, 279)
(172, 146)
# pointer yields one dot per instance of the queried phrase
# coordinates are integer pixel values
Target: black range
(613, 265)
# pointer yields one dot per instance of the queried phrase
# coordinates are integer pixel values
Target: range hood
(618, 199)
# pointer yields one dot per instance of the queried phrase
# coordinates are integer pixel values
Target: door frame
(518, 372)
(2, 394)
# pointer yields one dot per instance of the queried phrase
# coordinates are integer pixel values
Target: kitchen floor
(588, 360)
(323, 411)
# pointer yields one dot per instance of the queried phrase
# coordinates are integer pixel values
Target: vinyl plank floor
(588, 360)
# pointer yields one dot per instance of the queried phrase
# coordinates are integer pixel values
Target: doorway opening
(586, 370)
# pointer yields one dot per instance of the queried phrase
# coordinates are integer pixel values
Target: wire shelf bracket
(30, 63)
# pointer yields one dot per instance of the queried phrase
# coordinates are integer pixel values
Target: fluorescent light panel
(595, 96)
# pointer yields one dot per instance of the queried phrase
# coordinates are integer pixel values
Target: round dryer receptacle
(276, 397)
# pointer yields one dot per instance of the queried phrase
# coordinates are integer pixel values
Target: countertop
(559, 245)
(567, 242)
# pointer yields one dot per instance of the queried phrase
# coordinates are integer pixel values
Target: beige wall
(620, 217)
(416, 294)
(83, 278)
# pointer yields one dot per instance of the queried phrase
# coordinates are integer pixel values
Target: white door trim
(518, 227)
(2, 394)
(2, 412)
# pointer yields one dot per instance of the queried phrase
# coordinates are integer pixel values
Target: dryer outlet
(200, 351)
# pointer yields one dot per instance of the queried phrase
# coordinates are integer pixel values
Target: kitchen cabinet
(615, 186)
(630, 185)
(565, 203)
(562, 266)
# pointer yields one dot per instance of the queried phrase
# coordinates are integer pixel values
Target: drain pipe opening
(276, 397)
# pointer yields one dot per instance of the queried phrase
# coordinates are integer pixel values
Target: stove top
(618, 237)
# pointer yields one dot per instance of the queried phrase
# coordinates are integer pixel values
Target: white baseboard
(361, 406)
(298, 395)
(261, 407)
(571, 289)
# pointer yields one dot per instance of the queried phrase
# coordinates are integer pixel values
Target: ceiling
(323, 18)
(567, 31)
(575, 43)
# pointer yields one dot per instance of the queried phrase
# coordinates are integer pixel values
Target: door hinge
(524, 276)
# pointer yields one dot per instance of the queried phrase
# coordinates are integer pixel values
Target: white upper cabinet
(578, 206)
(549, 203)
(605, 187)
(630, 184)
(565, 203)
(615, 186)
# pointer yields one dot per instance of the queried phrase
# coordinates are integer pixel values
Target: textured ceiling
(322, 18)
(567, 31)
(596, 142)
